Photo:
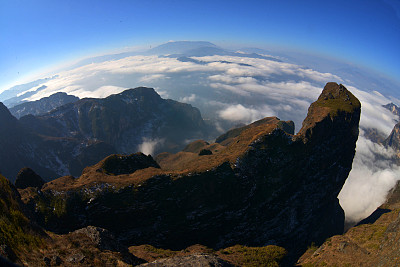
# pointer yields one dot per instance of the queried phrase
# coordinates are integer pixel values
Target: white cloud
(239, 113)
(152, 77)
(162, 93)
(187, 99)
(373, 173)
(373, 115)
(100, 92)
(372, 176)
(240, 79)
(149, 145)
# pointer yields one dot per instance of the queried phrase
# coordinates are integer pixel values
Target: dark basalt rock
(265, 186)
(205, 152)
(28, 178)
(126, 164)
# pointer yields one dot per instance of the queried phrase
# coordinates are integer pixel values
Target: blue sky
(37, 35)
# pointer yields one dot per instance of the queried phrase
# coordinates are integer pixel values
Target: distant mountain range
(43, 105)
(75, 135)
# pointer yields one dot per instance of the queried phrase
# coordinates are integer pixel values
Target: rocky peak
(393, 108)
(393, 139)
(334, 101)
(140, 92)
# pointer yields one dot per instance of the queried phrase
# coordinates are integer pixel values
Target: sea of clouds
(234, 90)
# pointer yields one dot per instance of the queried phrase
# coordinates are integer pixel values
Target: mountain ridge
(265, 186)
(75, 135)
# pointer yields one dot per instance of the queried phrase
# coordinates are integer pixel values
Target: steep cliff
(260, 185)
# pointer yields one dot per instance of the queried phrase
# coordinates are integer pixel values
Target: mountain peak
(335, 100)
(179, 47)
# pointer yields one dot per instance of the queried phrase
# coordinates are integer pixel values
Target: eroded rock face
(261, 185)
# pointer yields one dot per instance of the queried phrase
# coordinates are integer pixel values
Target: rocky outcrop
(126, 164)
(201, 260)
(100, 237)
(261, 185)
(26, 177)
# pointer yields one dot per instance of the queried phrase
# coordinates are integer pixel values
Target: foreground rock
(261, 185)
(375, 241)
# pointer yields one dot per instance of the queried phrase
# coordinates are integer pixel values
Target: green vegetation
(254, 256)
(15, 229)
(369, 235)
(343, 100)
(161, 253)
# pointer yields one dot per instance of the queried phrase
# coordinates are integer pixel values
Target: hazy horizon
(42, 35)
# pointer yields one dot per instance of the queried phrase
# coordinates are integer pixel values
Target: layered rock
(260, 185)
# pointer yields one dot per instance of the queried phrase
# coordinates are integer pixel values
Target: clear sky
(35, 35)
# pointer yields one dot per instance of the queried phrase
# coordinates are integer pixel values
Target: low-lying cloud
(373, 173)
(372, 176)
(149, 145)
(239, 113)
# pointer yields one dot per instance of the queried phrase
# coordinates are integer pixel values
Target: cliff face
(260, 185)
